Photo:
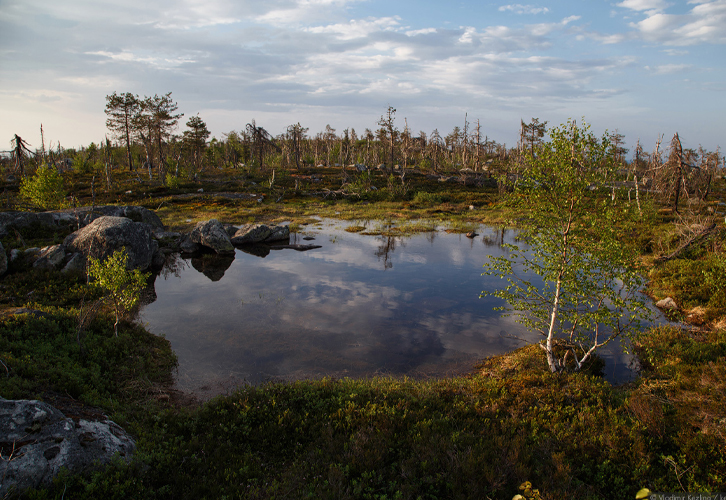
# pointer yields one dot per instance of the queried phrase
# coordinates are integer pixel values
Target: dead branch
(686, 244)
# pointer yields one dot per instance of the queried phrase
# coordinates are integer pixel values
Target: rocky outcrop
(260, 233)
(211, 234)
(74, 218)
(86, 215)
(38, 441)
(105, 235)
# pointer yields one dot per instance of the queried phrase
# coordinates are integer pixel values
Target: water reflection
(212, 266)
(357, 306)
(386, 248)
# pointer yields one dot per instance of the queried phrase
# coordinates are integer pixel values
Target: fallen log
(686, 244)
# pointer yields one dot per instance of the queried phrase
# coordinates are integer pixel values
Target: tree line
(145, 130)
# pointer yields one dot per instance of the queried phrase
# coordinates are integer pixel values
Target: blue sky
(643, 67)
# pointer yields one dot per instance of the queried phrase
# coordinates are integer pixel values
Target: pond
(358, 306)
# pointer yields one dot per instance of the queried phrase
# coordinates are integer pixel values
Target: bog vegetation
(604, 215)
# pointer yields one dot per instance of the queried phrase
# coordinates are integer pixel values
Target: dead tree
(20, 147)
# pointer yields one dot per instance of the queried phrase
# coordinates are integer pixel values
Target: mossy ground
(479, 436)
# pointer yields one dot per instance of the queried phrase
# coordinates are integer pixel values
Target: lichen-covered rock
(279, 233)
(43, 441)
(50, 257)
(75, 217)
(260, 233)
(251, 233)
(212, 234)
(667, 303)
(85, 215)
(102, 237)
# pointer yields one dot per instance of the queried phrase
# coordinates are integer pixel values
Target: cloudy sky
(644, 67)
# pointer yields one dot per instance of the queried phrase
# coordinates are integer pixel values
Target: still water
(358, 306)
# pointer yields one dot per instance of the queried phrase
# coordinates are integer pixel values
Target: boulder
(251, 233)
(211, 234)
(43, 441)
(20, 220)
(76, 263)
(85, 215)
(28, 255)
(105, 235)
(75, 217)
(186, 245)
(667, 303)
(50, 257)
(231, 230)
(3, 260)
(279, 233)
(260, 233)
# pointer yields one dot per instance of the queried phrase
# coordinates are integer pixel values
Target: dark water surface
(357, 307)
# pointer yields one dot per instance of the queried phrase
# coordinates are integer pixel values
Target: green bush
(44, 189)
(172, 181)
(122, 287)
(424, 198)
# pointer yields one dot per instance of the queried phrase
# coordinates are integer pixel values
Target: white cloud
(641, 5)
(704, 24)
(669, 69)
(524, 9)
(424, 31)
(297, 12)
(358, 28)
(152, 60)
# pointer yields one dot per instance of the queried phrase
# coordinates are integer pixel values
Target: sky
(642, 67)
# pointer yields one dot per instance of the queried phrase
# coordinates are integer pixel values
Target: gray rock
(211, 234)
(105, 235)
(168, 239)
(251, 233)
(260, 233)
(15, 254)
(29, 254)
(85, 215)
(50, 257)
(279, 233)
(667, 303)
(45, 441)
(76, 263)
(188, 246)
(231, 230)
(3, 260)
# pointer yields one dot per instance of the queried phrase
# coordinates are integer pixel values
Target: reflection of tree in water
(386, 249)
(431, 237)
(173, 266)
(495, 240)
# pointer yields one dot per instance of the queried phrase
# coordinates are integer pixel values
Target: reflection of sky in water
(358, 306)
